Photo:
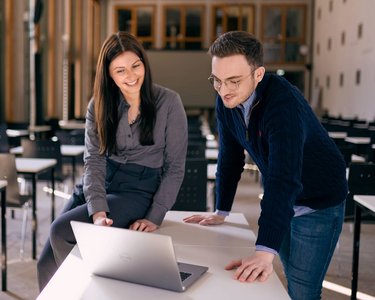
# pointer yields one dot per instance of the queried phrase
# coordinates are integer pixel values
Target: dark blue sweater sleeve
(285, 135)
(230, 161)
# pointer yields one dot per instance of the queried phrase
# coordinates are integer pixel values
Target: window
(183, 27)
(283, 32)
(228, 17)
(138, 20)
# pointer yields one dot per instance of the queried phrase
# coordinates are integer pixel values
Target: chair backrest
(71, 137)
(8, 172)
(44, 149)
(347, 150)
(361, 179)
(4, 142)
(193, 191)
(196, 150)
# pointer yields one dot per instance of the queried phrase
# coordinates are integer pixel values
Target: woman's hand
(143, 225)
(100, 218)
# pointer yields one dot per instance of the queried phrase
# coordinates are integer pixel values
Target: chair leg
(23, 232)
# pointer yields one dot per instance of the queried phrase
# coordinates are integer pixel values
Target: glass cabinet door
(138, 20)
(283, 33)
(183, 27)
(232, 17)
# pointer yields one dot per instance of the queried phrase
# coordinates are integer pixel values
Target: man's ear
(259, 73)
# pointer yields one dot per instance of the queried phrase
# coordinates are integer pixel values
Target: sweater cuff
(270, 238)
(96, 206)
(222, 213)
(156, 214)
(265, 249)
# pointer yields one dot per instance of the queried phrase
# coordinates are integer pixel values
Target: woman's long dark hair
(106, 93)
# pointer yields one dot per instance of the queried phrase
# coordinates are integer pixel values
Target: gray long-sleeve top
(168, 152)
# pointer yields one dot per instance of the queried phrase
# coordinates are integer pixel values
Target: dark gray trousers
(129, 189)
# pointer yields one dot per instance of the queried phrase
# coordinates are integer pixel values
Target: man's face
(234, 79)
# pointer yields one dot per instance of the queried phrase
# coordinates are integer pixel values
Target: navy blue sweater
(299, 163)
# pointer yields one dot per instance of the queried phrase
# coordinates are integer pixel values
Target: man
(303, 172)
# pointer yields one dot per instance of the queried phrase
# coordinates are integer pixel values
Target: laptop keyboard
(184, 275)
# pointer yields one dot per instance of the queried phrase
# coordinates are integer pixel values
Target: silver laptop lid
(138, 257)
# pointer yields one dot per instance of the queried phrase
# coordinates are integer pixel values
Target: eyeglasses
(231, 84)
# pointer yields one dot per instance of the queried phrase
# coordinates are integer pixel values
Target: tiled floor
(22, 282)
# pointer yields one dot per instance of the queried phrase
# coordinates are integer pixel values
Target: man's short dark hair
(238, 42)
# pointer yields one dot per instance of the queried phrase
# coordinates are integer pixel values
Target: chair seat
(18, 203)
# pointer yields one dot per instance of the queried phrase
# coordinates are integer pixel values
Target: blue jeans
(307, 251)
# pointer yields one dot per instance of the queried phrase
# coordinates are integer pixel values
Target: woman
(135, 149)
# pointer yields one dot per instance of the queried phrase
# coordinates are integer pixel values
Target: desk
(190, 246)
(234, 232)
(358, 140)
(211, 172)
(212, 154)
(38, 130)
(70, 151)
(3, 185)
(17, 132)
(357, 158)
(33, 167)
(71, 125)
(212, 144)
(337, 134)
(361, 203)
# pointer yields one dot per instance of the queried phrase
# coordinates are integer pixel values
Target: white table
(357, 158)
(358, 140)
(17, 132)
(337, 134)
(361, 203)
(211, 171)
(223, 244)
(38, 130)
(3, 185)
(66, 150)
(69, 151)
(212, 144)
(71, 125)
(212, 154)
(235, 232)
(33, 167)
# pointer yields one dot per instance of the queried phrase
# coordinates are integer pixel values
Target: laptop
(134, 256)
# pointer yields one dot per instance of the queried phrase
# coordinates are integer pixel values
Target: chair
(196, 150)
(347, 150)
(45, 149)
(73, 137)
(361, 181)
(4, 142)
(14, 199)
(193, 192)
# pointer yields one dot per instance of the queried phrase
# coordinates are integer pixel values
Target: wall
(185, 72)
(346, 58)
